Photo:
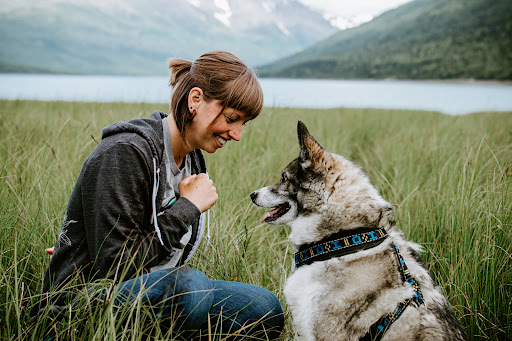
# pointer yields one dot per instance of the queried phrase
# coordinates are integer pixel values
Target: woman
(141, 198)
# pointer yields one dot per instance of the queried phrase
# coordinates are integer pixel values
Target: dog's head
(321, 193)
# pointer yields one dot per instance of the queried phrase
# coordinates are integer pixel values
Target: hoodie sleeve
(116, 199)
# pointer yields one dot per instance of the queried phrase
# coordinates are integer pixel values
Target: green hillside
(424, 39)
(133, 37)
(16, 68)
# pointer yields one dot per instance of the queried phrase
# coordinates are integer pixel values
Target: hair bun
(178, 67)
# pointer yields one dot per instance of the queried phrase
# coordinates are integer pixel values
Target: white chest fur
(301, 291)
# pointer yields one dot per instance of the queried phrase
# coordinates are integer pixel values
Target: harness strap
(406, 277)
(379, 328)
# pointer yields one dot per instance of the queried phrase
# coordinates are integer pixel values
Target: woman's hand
(199, 190)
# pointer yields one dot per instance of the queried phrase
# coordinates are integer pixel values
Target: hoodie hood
(147, 128)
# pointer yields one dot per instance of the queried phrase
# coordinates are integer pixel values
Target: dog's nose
(254, 195)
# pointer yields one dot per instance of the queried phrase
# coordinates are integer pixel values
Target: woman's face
(210, 131)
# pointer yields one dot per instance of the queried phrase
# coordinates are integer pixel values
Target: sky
(349, 13)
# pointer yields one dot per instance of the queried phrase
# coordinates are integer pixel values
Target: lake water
(453, 99)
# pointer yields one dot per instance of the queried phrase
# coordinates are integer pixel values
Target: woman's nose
(236, 132)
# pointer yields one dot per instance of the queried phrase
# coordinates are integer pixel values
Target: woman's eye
(229, 119)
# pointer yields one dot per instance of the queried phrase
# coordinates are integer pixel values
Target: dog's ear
(310, 150)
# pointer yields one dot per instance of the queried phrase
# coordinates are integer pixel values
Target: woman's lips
(220, 141)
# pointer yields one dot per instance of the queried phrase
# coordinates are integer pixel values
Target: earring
(192, 114)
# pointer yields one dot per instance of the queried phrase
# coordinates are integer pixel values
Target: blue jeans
(187, 300)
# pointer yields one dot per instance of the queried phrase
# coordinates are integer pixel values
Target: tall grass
(449, 179)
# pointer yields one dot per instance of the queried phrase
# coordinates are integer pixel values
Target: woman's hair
(222, 76)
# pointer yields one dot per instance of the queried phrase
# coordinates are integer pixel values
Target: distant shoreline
(446, 81)
(468, 81)
(462, 81)
(454, 97)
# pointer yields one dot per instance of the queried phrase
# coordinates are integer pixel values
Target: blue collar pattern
(339, 247)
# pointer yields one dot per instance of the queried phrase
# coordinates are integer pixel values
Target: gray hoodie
(109, 227)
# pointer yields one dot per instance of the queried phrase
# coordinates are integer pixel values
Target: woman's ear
(194, 98)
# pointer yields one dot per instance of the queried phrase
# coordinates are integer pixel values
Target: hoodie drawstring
(207, 223)
(156, 174)
(207, 229)
(154, 220)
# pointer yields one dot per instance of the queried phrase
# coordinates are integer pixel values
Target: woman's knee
(189, 291)
(183, 294)
(245, 304)
(273, 319)
(185, 280)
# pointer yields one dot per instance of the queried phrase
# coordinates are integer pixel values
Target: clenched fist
(199, 190)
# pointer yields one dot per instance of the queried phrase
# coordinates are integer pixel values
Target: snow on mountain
(347, 14)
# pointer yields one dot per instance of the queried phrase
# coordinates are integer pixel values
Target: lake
(449, 98)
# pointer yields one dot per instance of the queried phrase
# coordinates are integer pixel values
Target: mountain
(348, 14)
(424, 39)
(136, 37)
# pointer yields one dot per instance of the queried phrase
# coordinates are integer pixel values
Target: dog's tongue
(270, 214)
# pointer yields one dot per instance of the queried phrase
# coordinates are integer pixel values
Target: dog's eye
(283, 178)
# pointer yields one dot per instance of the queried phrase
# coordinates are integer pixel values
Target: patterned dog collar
(335, 246)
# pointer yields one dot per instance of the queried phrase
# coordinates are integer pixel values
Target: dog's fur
(340, 298)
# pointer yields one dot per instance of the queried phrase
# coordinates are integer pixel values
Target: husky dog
(355, 277)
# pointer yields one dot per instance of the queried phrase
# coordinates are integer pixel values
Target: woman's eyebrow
(234, 115)
(243, 116)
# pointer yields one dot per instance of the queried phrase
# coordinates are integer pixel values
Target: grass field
(448, 177)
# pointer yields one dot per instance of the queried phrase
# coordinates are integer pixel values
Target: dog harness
(338, 245)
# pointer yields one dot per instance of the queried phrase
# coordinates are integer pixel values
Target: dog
(356, 277)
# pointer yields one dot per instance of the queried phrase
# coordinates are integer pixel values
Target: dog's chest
(301, 286)
(332, 297)
(302, 290)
